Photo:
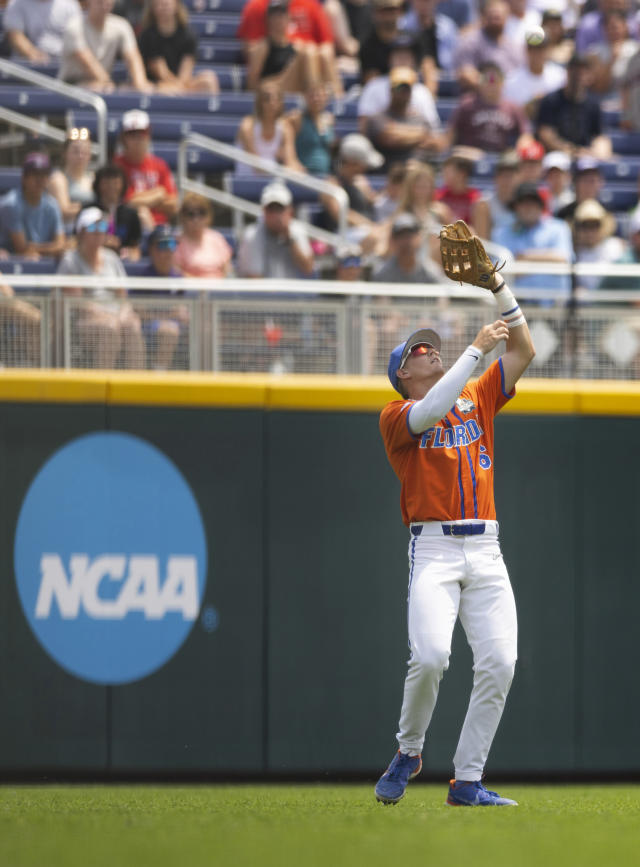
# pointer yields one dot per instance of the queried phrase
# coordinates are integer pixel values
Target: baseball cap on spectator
(507, 160)
(527, 190)
(551, 15)
(402, 75)
(357, 148)
(163, 237)
(386, 4)
(400, 354)
(37, 161)
(587, 164)
(531, 151)
(276, 194)
(556, 160)
(464, 156)
(88, 217)
(405, 223)
(135, 120)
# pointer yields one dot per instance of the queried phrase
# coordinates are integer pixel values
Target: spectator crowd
(536, 113)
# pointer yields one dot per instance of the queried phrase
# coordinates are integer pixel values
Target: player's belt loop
(475, 529)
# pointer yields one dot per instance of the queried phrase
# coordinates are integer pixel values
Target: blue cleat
(473, 794)
(392, 784)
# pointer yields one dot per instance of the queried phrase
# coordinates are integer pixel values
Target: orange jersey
(447, 472)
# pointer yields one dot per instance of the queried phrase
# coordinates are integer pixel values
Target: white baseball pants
(463, 576)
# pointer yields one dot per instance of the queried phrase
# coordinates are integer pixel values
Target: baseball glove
(464, 258)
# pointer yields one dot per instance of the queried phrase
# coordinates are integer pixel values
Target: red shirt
(447, 472)
(308, 22)
(460, 203)
(151, 172)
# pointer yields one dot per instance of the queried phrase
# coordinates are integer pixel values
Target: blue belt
(475, 529)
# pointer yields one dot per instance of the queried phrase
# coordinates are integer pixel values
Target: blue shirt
(547, 234)
(40, 223)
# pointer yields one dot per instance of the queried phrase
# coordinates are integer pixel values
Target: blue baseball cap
(400, 354)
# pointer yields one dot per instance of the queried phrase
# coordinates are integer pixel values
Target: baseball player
(439, 441)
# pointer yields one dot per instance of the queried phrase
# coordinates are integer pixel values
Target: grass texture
(314, 826)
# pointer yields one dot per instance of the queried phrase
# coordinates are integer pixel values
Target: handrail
(222, 197)
(78, 93)
(244, 285)
(263, 165)
(39, 127)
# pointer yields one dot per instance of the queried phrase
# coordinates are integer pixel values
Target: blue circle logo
(110, 558)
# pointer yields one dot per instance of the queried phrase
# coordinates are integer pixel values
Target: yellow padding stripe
(298, 393)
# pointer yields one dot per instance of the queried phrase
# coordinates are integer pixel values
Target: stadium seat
(227, 50)
(250, 188)
(9, 178)
(20, 265)
(200, 6)
(625, 143)
(619, 198)
(220, 27)
(619, 170)
(448, 87)
(446, 107)
(198, 160)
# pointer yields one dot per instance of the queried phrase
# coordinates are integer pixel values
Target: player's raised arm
(520, 349)
(421, 377)
(465, 260)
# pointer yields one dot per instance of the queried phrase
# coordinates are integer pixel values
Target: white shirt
(516, 28)
(521, 86)
(261, 254)
(43, 22)
(116, 39)
(376, 96)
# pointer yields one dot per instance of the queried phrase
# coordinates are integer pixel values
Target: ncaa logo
(110, 558)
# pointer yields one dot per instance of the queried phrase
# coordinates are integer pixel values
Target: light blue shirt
(40, 223)
(547, 234)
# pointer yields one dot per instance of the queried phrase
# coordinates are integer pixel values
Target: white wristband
(509, 308)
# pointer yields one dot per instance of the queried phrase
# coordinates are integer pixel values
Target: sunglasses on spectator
(198, 212)
(78, 134)
(166, 244)
(98, 226)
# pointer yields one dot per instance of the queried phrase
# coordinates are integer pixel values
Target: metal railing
(47, 82)
(301, 326)
(268, 167)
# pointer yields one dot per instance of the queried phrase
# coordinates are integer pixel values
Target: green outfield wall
(295, 661)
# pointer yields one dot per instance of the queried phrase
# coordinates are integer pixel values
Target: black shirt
(181, 43)
(278, 57)
(576, 122)
(374, 55)
(126, 224)
(428, 43)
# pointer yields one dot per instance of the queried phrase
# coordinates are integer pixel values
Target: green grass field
(323, 825)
